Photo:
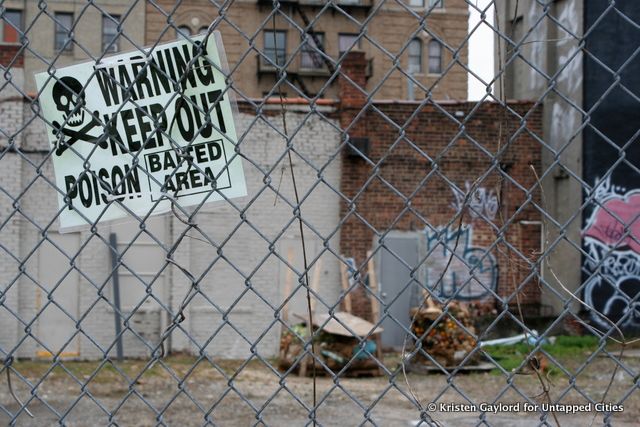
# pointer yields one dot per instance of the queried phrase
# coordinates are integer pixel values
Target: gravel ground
(156, 396)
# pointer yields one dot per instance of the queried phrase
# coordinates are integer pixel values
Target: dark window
(110, 33)
(203, 30)
(12, 26)
(435, 57)
(64, 22)
(311, 57)
(347, 42)
(183, 31)
(415, 56)
(275, 46)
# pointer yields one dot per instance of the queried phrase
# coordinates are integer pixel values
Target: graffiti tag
(482, 202)
(612, 243)
(472, 273)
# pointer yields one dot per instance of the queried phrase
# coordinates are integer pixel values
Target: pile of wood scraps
(446, 340)
(342, 341)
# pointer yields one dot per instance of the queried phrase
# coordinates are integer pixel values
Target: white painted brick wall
(260, 271)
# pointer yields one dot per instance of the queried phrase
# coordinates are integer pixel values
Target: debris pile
(338, 343)
(446, 340)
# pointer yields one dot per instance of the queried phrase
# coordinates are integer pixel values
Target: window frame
(308, 51)
(434, 42)
(60, 30)
(276, 49)
(184, 28)
(115, 47)
(358, 44)
(420, 56)
(9, 25)
(426, 4)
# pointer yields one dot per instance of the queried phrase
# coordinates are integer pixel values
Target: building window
(275, 46)
(183, 31)
(415, 56)
(203, 29)
(110, 33)
(64, 22)
(429, 3)
(347, 42)
(311, 58)
(12, 26)
(435, 57)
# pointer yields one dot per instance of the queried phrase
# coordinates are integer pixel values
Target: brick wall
(390, 27)
(247, 280)
(11, 52)
(417, 153)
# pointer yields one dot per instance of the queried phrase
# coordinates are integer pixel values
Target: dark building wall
(611, 227)
(422, 163)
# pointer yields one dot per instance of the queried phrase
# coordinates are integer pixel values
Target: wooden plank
(288, 281)
(375, 305)
(373, 286)
(344, 276)
(315, 282)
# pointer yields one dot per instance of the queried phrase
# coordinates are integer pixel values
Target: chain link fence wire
(404, 256)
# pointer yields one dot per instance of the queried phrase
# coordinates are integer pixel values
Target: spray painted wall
(611, 226)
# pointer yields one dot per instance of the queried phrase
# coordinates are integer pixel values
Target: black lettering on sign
(169, 168)
(139, 127)
(189, 117)
(93, 187)
(108, 86)
(166, 67)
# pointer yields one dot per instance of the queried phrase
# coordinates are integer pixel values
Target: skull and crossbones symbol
(70, 101)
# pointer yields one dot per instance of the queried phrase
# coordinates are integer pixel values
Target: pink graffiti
(609, 221)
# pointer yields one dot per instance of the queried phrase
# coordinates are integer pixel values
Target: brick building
(52, 290)
(68, 31)
(52, 282)
(433, 56)
(405, 185)
(586, 76)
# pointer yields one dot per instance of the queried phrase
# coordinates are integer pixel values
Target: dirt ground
(182, 391)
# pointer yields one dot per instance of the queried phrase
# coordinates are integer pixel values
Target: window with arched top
(415, 56)
(435, 57)
(183, 30)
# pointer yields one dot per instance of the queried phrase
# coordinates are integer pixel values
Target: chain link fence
(437, 220)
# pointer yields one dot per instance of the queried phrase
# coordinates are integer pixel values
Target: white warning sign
(136, 130)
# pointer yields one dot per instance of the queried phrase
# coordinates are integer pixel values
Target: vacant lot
(186, 391)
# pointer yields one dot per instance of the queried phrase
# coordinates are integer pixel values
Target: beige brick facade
(87, 31)
(389, 27)
(240, 289)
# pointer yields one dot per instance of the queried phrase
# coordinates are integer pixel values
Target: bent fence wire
(374, 188)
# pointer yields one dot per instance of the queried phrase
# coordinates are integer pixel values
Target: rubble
(338, 344)
(446, 341)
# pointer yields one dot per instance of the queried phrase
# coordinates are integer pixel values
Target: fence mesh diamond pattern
(440, 226)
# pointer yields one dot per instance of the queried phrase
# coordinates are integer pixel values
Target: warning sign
(138, 130)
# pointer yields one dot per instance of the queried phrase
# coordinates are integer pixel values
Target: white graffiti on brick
(473, 271)
(482, 202)
(611, 239)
